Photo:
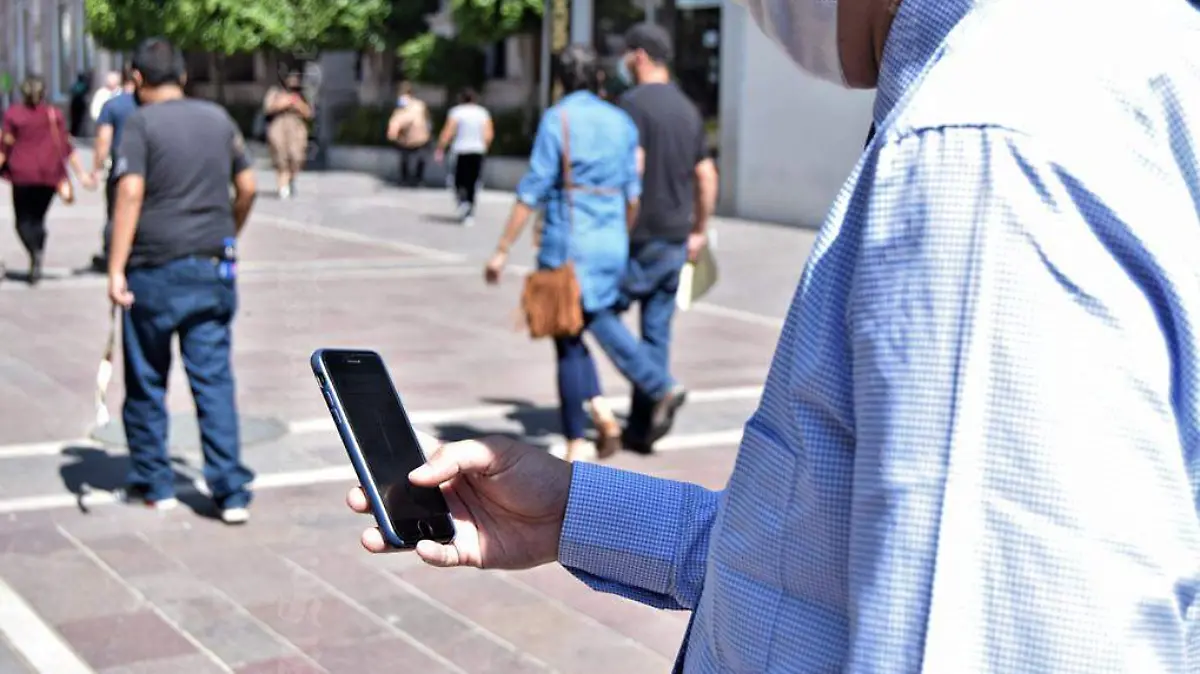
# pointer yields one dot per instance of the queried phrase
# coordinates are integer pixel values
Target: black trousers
(467, 168)
(30, 204)
(412, 165)
(110, 202)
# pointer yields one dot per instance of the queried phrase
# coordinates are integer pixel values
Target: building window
(239, 68)
(197, 63)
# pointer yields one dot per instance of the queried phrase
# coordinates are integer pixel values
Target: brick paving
(351, 262)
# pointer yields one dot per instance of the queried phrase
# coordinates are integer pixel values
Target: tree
(225, 27)
(457, 62)
(484, 22)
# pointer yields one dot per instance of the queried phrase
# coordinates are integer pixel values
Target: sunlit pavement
(356, 263)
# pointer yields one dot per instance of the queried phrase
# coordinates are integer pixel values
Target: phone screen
(389, 447)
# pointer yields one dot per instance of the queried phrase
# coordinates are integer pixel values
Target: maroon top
(35, 145)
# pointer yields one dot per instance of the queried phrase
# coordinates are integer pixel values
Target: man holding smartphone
(172, 270)
(978, 445)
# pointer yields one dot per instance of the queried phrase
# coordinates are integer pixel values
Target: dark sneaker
(634, 443)
(663, 416)
(137, 496)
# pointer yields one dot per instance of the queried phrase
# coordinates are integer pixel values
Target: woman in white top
(468, 133)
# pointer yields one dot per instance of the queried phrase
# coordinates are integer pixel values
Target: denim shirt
(603, 153)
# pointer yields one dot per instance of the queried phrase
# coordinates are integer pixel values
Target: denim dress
(590, 230)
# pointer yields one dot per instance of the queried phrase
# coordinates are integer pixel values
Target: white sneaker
(285, 192)
(164, 503)
(464, 211)
(235, 515)
(468, 221)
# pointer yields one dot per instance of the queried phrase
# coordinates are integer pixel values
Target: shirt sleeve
(640, 537)
(134, 153)
(1013, 403)
(105, 118)
(545, 161)
(237, 149)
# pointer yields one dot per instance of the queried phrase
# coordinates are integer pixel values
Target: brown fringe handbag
(552, 300)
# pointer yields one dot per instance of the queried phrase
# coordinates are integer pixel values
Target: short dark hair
(159, 62)
(652, 39)
(127, 75)
(577, 68)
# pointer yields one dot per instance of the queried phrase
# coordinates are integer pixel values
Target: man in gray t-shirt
(172, 269)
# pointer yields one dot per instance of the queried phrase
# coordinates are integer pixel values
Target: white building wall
(788, 141)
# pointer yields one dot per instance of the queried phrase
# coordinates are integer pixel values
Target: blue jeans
(577, 379)
(188, 298)
(652, 281)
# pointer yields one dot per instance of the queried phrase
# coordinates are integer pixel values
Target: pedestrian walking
(287, 114)
(410, 129)
(468, 133)
(79, 103)
(679, 192)
(112, 85)
(173, 271)
(583, 175)
(109, 123)
(34, 152)
(978, 446)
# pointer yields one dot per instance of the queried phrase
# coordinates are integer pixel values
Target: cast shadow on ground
(540, 425)
(442, 219)
(89, 470)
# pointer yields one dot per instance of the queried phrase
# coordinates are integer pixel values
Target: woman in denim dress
(590, 227)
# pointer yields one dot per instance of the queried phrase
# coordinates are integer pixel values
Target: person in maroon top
(34, 148)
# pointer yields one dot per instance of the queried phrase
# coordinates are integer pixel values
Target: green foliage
(367, 125)
(483, 22)
(231, 26)
(436, 60)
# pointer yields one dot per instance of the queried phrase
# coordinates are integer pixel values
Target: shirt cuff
(625, 527)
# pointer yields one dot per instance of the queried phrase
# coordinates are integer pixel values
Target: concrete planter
(499, 173)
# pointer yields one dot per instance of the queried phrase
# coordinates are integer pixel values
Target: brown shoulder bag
(552, 300)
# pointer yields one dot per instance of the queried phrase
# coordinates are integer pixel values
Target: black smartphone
(382, 446)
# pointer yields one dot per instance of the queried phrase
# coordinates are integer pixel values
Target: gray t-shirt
(188, 152)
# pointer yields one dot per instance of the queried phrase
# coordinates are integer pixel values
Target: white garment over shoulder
(471, 119)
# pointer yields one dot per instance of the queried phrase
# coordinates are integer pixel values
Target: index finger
(471, 456)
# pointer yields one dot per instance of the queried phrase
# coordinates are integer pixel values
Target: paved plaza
(350, 262)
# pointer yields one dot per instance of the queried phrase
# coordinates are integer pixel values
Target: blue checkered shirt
(978, 448)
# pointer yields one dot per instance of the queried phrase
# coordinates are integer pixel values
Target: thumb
(452, 460)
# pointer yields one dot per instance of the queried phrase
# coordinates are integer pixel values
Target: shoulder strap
(568, 183)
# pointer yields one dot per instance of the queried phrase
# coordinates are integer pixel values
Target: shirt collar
(918, 31)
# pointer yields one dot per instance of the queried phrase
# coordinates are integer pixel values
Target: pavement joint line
(259, 275)
(508, 578)
(339, 473)
(418, 418)
(33, 639)
(141, 597)
(738, 314)
(238, 608)
(473, 625)
(354, 237)
(374, 617)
